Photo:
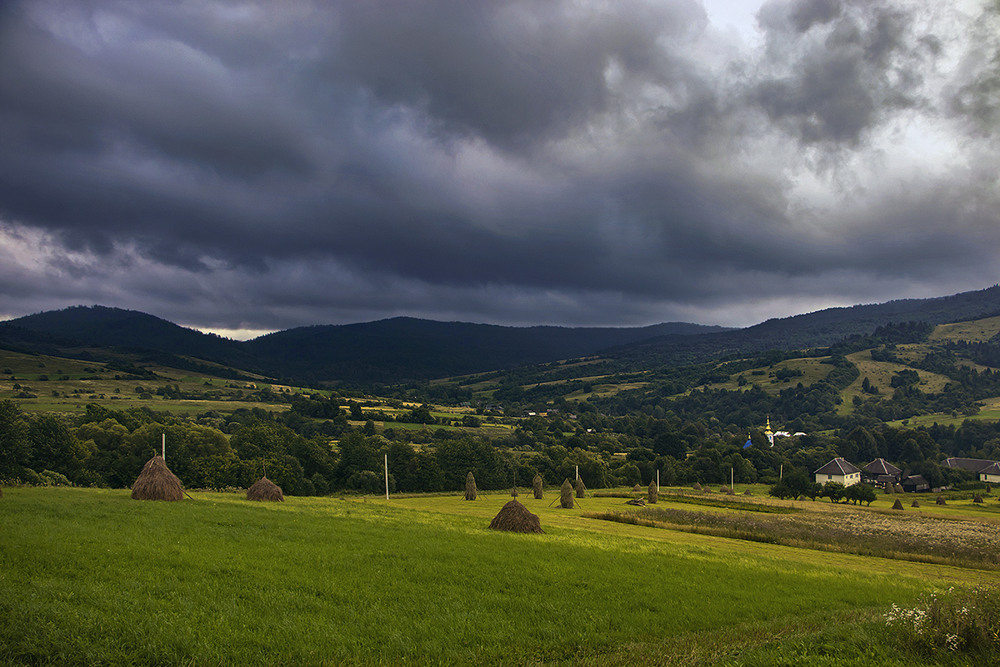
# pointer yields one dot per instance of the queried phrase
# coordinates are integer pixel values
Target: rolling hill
(405, 349)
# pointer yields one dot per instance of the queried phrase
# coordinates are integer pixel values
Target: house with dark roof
(986, 470)
(990, 474)
(881, 473)
(839, 470)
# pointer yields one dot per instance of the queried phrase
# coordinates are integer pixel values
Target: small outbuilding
(915, 484)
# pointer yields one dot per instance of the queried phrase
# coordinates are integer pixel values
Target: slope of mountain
(405, 348)
(817, 329)
(100, 326)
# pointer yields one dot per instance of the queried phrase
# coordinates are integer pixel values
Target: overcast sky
(259, 165)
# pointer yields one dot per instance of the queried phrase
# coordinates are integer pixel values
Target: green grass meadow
(90, 576)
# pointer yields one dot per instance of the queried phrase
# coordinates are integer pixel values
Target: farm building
(839, 470)
(915, 484)
(990, 474)
(986, 470)
(881, 473)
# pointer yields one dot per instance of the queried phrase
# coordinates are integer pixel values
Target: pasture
(90, 576)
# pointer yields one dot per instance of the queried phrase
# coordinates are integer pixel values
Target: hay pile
(637, 488)
(470, 487)
(898, 488)
(748, 492)
(977, 499)
(940, 500)
(697, 486)
(653, 494)
(156, 482)
(537, 485)
(897, 505)
(581, 490)
(515, 518)
(915, 503)
(265, 489)
(566, 495)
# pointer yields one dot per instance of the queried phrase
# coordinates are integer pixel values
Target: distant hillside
(405, 348)
(387, 351)
(102, 327)
(818, 329)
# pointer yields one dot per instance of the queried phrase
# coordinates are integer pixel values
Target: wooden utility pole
(387, 477)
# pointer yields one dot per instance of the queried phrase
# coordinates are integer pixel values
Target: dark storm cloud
(265, 165)
(841, 69)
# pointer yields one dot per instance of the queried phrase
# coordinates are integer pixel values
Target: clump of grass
(958, 620)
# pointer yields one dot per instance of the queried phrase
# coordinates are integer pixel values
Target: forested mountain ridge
(403, 349)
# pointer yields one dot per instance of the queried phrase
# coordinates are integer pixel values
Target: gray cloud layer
(265, 165)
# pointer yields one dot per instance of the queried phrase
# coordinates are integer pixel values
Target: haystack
(515, 518)
(897, 505)
(977, 499)
(156, 482)
(637, 488)
(265, 489)
(470, 487)
(566, 495)
(581, 490)
(653, 494)
(537, 485)
(697, 486)
(940, 500)
(898, 488)
(748, 492)
(915, 503)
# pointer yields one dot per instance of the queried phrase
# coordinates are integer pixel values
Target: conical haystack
(470, 487)
(897, 505)
(265, 489)
(566, 495)
(156, 482)
(581, 490)
(537, 485)
(515, 517)
(653, 494)
(915, 503)
(940, 500)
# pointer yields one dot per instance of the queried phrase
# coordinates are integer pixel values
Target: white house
(839, 470)
(991, 474)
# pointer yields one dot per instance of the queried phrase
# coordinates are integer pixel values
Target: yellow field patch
(974, 331)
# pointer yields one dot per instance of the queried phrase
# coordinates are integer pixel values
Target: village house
(839, 470)
(881, 473)
(986, 470)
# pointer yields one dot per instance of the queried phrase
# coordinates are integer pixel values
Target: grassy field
(92, 577)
